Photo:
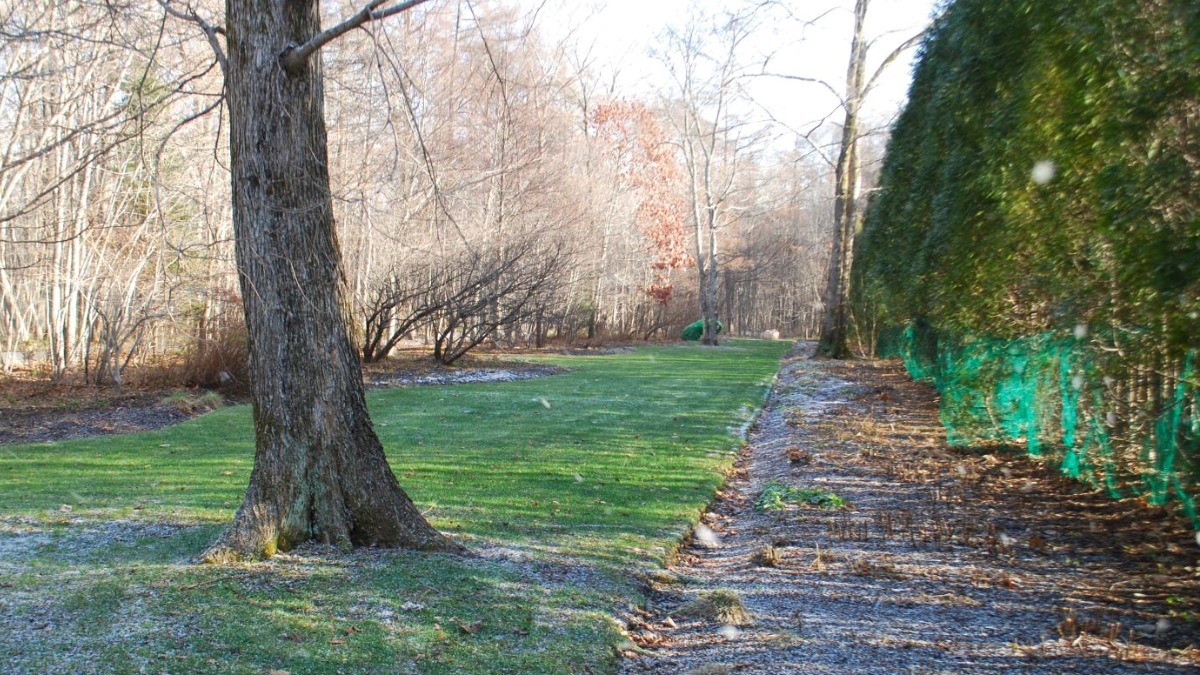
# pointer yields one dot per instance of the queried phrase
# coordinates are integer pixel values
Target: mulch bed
(37, 411)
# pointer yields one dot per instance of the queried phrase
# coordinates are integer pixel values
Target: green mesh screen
(1129, 430)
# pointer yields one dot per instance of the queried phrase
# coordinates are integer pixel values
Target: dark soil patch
(95, 418)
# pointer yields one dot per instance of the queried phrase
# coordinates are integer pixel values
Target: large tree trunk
(835, 321)
(319, 469)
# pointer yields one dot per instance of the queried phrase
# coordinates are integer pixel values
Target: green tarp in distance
(696, 331)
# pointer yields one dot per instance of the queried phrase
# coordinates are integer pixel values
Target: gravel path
(947, 561)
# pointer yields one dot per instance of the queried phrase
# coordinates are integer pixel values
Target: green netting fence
(1128, 428)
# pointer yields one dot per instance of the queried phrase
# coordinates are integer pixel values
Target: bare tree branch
(294, 57)
(904, 46)
(210, 31)
(798, 78)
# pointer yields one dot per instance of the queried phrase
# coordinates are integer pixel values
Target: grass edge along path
(563, 485)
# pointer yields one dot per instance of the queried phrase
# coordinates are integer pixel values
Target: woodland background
(489, 186)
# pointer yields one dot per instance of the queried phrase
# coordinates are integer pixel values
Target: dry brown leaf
(469, 628)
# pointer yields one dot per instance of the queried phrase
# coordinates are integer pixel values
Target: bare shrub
(218, 353)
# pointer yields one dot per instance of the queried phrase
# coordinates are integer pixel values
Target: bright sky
(622, 34)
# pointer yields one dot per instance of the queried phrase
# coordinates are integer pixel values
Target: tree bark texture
(319, 469)
(835, 321)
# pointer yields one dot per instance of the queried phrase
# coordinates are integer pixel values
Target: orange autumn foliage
(649, 166)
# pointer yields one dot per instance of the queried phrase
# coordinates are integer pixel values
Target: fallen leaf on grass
(337, 642)
(469, 628)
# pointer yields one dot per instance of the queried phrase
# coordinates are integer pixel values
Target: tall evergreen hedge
(1044, 182)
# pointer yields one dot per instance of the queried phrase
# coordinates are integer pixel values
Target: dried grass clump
(799, 456)
(194, 404)
(711, 669)
(721, 606)
(878, 568)
(767, 556)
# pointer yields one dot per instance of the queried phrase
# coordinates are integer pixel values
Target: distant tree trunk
(319, 469)
(835, 321)
(708, 136)
(709, 284)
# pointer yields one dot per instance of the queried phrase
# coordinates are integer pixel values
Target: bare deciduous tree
(704, 63)
(319, 469)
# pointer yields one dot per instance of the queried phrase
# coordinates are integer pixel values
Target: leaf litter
(948, 562)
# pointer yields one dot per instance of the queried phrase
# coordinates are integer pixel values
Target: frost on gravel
(888, 586)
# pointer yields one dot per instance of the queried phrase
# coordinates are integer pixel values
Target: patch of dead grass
(721, 606)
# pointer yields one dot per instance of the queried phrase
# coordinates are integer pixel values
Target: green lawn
(565, 486)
